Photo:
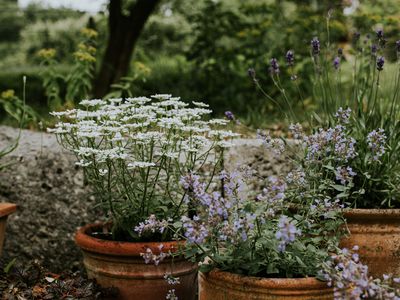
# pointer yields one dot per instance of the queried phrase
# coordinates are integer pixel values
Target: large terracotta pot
(377, 234)
(119, 264)
(218, 285)
(5, 210)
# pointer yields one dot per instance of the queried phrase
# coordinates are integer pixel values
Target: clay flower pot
(219, 285)
(119, 264)
(5, 210)
(377, 233)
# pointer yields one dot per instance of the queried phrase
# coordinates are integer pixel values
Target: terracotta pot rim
(372, 214)
(100, 246)
(305, 283)
(7, 208)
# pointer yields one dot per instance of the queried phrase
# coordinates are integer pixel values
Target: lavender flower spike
(286, 233)
(229, 115)
(315, 46)
(336, 62)
(274, 67)
(379, 63)
(290, 58)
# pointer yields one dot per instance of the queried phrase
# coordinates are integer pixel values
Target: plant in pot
(133, 152)
(356, 91)
(260, 246)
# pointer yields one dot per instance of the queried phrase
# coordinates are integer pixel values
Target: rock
(52, 200)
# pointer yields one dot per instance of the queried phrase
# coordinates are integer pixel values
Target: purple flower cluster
(296, 177)
(344, 174)
(351, 280)
(287, 233)
(379, 63)
(151, 225)
(376, 142)
(150, 257)
(336, 63)
(325, 207)
(195, 230)
(274, 191)
(333, 140)
(290, 58)
(277, 146)
(315, 46)
(274, 67)
(229, 115)
(374, 49)
(343, 115)
(296, 130)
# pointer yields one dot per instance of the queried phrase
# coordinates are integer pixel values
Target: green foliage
(11, 20)
(78, 82)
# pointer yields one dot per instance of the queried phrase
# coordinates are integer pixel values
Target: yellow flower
(142, 68)
(8, 94)
(47, 53)
(84, 56)
(89, 33)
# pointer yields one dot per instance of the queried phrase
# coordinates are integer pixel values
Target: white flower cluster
(141, 143)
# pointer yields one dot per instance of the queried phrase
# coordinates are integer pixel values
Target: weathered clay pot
(218, 285)
(377, 234)
(5, 210)
(119, 264)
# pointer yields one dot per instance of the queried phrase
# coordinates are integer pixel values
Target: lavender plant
(351, 281)
(134, 152)
(355, 115)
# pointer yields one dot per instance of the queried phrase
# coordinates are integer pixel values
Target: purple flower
(340, 51)
(343, 115)
(380, 62)
(344, 174)
(290, 58)
(336, 62)
(374, 49)
(252, 73)
(315, 46)
(274, 191)
(296, 130)
(151, 225)
(229, 115)
(286, 234)
(379, 34)
(376, 142)
(274, 66)
(195, 231)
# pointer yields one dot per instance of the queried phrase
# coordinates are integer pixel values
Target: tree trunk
(124, 31)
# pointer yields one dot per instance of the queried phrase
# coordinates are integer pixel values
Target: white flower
(141, 164)
(200, 104)
(103, 172)
(83, 163)
(161, 96)
(92, 102)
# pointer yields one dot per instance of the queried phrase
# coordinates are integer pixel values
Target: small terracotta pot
(377, 234)
(120, 265)
(219, 285)
(5, 210)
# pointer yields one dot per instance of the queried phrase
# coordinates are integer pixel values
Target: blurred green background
(199, 50)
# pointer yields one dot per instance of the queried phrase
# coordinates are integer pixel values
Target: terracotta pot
(218, 285)
(5, 210)
(377, 234)
(119, 264)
